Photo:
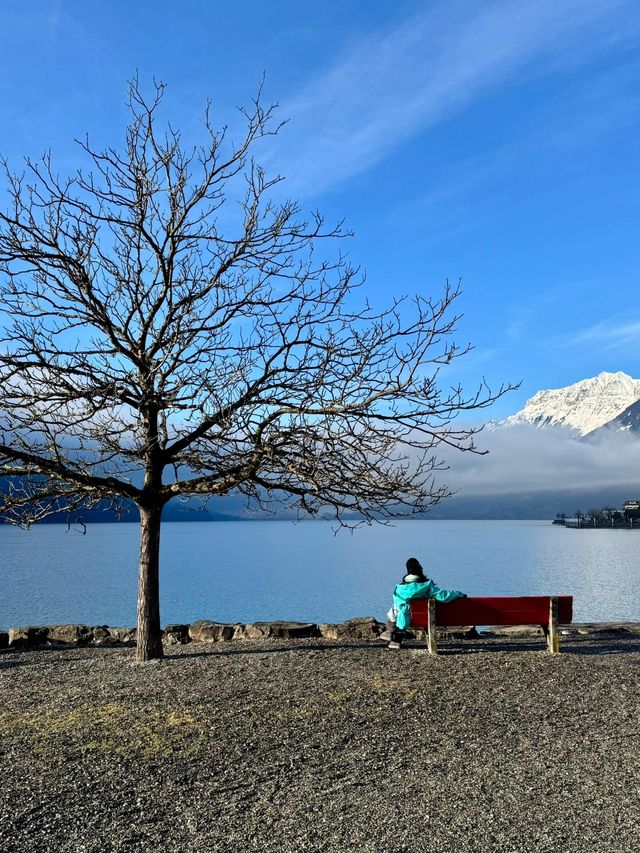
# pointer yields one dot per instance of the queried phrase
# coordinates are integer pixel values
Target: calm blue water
(248, 571)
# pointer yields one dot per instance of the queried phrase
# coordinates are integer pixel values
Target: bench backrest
(501, 610)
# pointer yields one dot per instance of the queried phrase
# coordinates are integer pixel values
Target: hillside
(584, 407)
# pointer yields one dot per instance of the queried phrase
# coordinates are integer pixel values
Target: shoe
(394, 645)
(387, 636)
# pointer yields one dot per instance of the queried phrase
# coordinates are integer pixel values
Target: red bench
(545, 610)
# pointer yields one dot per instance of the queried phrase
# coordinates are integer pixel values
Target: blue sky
(494, 141)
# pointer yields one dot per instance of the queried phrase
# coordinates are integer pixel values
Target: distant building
(632, 510)
(628, 516)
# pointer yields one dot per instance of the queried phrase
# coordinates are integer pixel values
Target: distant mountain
(584, 407)
(532, 505)
(527, 476)
(627, 421)
(229, 508)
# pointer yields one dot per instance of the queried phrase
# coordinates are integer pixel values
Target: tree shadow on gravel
(590, 646)
(10, 664)
(22, 657)
(226, 652)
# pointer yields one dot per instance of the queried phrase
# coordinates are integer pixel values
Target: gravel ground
(315, 746)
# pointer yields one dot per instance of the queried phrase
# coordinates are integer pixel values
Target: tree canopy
(169, 328)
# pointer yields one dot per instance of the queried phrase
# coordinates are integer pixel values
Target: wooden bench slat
(496, 610)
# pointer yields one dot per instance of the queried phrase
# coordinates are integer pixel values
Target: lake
(263, 570)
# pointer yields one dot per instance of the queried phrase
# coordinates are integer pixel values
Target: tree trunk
(149, 645)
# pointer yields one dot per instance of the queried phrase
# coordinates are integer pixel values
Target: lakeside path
(310, 745)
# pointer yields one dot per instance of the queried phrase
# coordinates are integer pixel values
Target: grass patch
(111, 728)
(391, 685)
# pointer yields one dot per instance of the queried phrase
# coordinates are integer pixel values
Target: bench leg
(433, 640)
(553, 636)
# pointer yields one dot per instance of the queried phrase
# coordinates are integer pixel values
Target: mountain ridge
(585, 407)
(626, 421)
(529, 476)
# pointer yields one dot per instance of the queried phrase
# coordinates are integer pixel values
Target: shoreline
(207, 631)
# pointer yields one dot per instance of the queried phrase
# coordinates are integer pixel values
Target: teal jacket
(404, 594)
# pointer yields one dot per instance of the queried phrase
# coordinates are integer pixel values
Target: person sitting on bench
(415, 584)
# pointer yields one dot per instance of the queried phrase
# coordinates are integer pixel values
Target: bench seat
(545, 610)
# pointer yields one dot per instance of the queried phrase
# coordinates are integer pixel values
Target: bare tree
(158, 344)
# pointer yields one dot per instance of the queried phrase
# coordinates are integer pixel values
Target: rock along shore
(206, 631)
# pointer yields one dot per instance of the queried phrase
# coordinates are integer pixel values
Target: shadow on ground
(588, 645)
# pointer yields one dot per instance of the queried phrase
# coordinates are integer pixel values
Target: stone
(27, 636)
(176, 634)
(364, 628)
(101, 635)
(457, 632)
(614, 628)
(205, 631)
(515, 631)
(279, 630)
(68, 635)
(121, 636)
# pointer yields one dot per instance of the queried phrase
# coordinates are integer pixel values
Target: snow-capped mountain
(585, 406)
(628, 421)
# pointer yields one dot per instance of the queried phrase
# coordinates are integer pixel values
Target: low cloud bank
(523, 458)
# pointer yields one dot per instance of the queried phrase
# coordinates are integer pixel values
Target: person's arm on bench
(445, 595)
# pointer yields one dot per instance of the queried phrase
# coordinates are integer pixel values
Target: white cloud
(523, 458)
(614, 334)
(394, 84)
(491, 182)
